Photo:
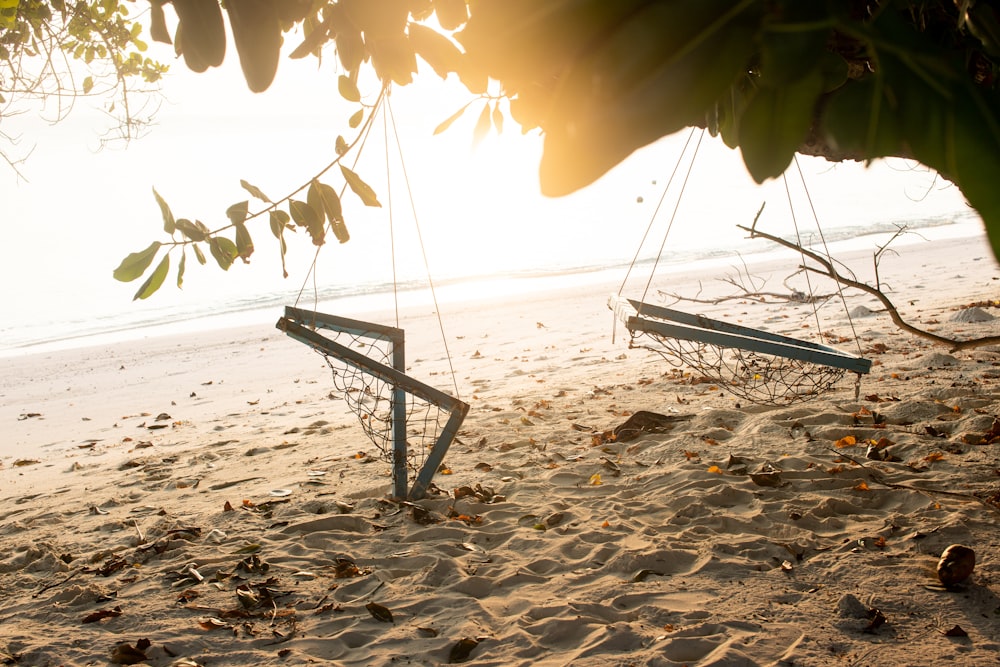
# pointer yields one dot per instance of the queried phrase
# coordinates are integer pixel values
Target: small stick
(58, 583)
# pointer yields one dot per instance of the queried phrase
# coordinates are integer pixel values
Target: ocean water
(184, 315)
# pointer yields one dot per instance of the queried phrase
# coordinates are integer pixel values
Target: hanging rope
(363, 359)
(759, 366)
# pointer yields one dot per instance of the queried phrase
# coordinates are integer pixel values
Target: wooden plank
(670, 323)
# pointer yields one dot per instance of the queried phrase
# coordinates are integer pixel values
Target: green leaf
(278, 221)
(223, 250)
(360, 188)
(451, 14)
(237, 213)
(341, 146)
(482, 127)
(155, 279)
(775, 123)
(617, 98)
(326, 197)
(136, 263)
(356, 118)
(88, 84)
(199, 255)
(244, 244)
(350, 45)
(254, 191)
(348, 89)
(180, 270)
(437, 50)
(793, 48)
(450, 119)
(196, 231)
(168, 217)
(306, 216)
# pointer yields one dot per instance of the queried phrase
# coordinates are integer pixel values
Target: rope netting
(764, 379)
(374, 401)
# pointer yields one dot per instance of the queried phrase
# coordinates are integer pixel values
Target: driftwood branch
(831, 271)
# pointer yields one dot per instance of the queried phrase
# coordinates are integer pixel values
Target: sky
(81, 208)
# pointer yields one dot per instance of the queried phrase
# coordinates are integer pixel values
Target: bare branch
(830, 271)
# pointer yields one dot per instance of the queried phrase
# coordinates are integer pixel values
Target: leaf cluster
(320, 211)
(846, 79)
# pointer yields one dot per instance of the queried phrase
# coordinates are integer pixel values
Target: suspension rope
(311, 272)
(802, 252)
(420, 240)
(673, 216)
(656, 211)
(829, 256)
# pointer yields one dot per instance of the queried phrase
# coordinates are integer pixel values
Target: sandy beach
(211, 500)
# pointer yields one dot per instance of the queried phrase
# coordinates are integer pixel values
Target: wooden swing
(762, 367)
(411, 423)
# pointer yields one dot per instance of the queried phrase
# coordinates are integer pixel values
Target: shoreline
(521, 283)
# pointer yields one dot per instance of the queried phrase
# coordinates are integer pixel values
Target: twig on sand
(828, 269)
(58, 583)
(878, 478)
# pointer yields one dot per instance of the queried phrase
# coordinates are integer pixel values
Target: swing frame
(302, 325)
(700, 329)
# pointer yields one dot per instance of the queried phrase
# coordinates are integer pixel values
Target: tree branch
(830, 271)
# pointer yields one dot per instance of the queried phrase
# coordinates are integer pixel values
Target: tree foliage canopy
(845, 79)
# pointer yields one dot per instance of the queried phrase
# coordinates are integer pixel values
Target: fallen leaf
(462, 649)
(378, 612)
(124, 654)
(595, 479)
(846, 441)
(715, 469)
(101, 614)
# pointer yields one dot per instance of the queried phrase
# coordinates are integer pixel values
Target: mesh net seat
(762, 367)
(411, 424)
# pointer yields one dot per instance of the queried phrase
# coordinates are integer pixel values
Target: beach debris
(101, 614)
(955, 565)
(642, 574)
(955, 631)
(20, 463)
(646, 422)
(769, 478)
(126, 654)
(428, 632)
(422, 515)
(481, 493)
(876, 619)
(850, 607)
(462, 649)
(280, 493)
(378, 612)
(345, 568)
(211, 623)
(468, 519)
(28, 415)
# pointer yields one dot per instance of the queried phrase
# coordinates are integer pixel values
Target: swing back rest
(636, 315)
